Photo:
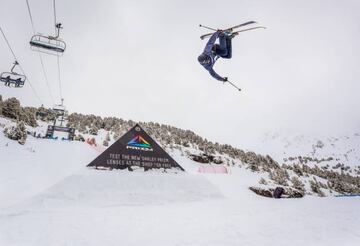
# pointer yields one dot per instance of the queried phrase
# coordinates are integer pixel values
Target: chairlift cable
(22, 70)
(57, 56)
(59, 76)
(46, 77)
(54, 5)
(31, 19)
(40, 57)
(8, 44)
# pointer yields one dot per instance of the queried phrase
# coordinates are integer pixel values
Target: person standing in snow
(213, 51)
(278, 192)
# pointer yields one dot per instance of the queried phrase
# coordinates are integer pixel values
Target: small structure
(213, 169)
(59, 122)
(52, 128)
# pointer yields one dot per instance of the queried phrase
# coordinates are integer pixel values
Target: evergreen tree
(17, 132)
(93, 130)
(28, 116)
(107, 138)
(11, 108)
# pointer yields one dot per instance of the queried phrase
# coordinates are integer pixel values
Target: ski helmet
(204, 59)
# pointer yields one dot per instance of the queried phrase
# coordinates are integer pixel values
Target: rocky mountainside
(336, 151)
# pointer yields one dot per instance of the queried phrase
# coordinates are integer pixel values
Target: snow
(49, 197)
(342, 149)
(29, 169)
(103, 188)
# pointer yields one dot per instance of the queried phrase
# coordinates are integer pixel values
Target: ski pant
(224, 50)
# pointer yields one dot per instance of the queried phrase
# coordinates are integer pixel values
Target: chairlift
(49, 44)
(59, 109)
(12, 78)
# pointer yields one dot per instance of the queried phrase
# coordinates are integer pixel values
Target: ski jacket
(208, 51)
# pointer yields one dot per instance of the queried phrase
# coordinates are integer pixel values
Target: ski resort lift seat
(48, 44)
(13, 79)
(59, 109)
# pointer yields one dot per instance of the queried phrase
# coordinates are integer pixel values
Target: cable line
(40, 57)
(21, 68)
(58, 61)
(55, 22)
(46, 77)
(31, 19)
(59, 77)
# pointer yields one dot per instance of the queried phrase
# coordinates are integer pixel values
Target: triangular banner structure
(135, 148)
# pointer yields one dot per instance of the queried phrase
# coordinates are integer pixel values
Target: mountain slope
(49, 197)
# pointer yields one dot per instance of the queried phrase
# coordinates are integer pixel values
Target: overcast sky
(138, 60)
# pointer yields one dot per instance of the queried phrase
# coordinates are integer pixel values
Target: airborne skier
(213, 51)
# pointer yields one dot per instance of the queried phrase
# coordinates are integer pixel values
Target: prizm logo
(139, 143)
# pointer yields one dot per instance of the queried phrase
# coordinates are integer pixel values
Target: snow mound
(99, 188)
(29, 169)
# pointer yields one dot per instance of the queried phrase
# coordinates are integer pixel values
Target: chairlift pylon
(49, 44)
(12, 78)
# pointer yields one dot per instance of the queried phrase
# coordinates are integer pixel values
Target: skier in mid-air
(213, 51)
(223, 49)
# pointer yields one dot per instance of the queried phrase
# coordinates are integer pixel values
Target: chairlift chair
(59, 109)
(12, 78)
(48, 44)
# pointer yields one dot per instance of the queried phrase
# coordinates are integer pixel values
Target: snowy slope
(49, 197)
(55, 217)
(286, 148)
(29, 169)
(94, 188)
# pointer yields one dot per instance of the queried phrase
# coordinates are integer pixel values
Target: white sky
(138, 60)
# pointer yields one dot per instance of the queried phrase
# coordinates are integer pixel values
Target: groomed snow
(49, 197)
(96, 188)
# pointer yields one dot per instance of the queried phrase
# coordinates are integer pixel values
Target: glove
(225, 79)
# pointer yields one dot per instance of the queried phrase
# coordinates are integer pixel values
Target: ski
(244, 30)
(241, 25)
(248, 29)
(228, 29)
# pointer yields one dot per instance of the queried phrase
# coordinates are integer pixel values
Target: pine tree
(107, 138)
(93, 130)
(17, 132)
(297, 184)
(28, 116)
(11, 108)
